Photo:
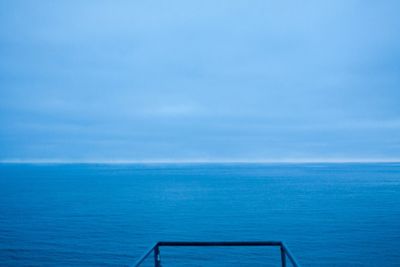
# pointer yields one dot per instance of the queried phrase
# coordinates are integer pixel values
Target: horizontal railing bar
(218, 243)
(144, 257)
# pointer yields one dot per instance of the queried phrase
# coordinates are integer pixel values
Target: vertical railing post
(283, 256)
(157, 259)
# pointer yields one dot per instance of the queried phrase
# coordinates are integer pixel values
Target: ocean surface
(108, 215)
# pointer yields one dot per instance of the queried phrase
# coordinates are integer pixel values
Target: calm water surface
(107, 215)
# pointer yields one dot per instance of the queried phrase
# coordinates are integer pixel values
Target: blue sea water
(108, 215)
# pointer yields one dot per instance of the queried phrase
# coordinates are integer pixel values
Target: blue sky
(199, 80)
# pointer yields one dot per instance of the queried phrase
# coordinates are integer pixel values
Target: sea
(336, 214)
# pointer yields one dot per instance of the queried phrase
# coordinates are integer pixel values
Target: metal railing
(284, 251)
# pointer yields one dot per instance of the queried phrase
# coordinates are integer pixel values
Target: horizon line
(197, 161)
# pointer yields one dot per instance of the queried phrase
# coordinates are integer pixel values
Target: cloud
(205, 80)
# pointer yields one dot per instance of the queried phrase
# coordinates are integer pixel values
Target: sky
(116, 81)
